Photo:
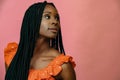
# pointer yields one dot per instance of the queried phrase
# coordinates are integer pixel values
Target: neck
(42, 45)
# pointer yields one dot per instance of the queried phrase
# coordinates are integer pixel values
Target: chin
(52, 37)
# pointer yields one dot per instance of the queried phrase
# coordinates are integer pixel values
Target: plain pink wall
(90, 28)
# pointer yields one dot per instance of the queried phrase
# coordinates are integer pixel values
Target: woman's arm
(68, 72)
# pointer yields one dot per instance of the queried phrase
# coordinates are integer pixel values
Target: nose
(54, 22)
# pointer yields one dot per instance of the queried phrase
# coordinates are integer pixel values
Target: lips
(53, 29)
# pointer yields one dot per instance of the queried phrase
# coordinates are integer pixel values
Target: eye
(57, 18)
(47, 16)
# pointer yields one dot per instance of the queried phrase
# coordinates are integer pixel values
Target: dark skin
(43, 53)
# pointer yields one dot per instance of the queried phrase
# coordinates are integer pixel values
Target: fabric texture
(46, 73)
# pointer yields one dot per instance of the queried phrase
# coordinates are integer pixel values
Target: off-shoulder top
(47, 73)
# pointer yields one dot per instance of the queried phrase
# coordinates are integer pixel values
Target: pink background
(91, 34)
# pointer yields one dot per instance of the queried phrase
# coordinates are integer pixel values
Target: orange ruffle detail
(53, 69)
(47, 73)
(9, 52)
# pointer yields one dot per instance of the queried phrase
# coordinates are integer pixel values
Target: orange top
(53, 69)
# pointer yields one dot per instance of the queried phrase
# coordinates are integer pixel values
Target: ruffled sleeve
(9, 52)
(58, 62)
(53, 69)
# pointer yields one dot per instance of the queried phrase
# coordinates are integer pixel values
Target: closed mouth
(53, 29)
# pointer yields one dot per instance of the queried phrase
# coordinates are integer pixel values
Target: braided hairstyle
(19, 67)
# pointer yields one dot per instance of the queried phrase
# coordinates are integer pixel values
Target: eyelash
(47, 16)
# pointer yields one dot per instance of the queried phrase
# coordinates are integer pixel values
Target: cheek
(43, 28)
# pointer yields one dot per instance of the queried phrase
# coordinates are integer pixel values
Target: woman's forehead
(50, 8)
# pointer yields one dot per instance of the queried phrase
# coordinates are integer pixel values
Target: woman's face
(50, 22)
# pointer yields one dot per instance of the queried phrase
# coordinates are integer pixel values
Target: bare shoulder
(68, 72)
(54, 52)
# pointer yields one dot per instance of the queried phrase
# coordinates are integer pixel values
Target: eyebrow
(49, 12)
